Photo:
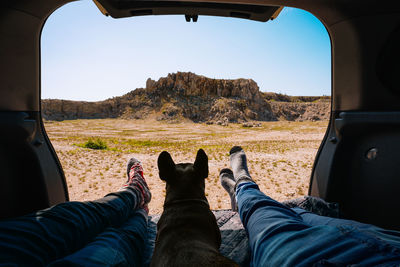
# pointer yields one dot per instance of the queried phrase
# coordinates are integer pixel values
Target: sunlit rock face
(187, 96)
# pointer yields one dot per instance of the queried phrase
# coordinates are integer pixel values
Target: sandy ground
(280, 154)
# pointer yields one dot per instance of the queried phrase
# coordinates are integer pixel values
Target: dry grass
(280, 154)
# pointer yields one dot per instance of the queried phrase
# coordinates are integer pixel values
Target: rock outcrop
(298, 111)
(185, 95)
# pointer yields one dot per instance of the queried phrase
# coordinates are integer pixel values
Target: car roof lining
(131, 8)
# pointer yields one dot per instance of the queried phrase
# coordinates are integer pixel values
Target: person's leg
(123, 246)
(46, 235)
(389, 236)
(278, 236)
(315, 205)
(41, 237)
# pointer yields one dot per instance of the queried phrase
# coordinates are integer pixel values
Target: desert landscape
(181, 113)
(280, 154)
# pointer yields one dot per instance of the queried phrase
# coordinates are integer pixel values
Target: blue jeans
(109, 231)
(280, 236)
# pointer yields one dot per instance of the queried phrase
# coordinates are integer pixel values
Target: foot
(137, 182)
(239, 165)
(228, 183)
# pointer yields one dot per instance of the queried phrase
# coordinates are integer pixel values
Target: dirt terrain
(280, 154)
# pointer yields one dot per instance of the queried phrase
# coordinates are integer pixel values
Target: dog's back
(187, 232)
(188, 235)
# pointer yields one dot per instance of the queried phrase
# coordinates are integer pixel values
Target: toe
(235, 149)
(130, 163)
(227, 171)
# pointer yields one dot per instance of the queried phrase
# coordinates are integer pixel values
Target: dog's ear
(166, 166)
(201, 163)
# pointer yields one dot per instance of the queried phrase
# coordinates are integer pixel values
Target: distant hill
(187, 96)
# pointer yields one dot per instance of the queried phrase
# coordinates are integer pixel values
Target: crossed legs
(111, 230)
(280, 236)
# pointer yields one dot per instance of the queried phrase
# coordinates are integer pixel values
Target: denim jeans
(109, 231)
(280, 236)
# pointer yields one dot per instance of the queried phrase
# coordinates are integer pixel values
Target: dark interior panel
(362, 48)
(120, 9)
(365, 167)
(21, 23)
(30, 179)
(388, 63)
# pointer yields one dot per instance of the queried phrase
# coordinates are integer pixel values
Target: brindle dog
(187, 232)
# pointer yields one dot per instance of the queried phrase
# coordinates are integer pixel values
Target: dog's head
(184, 180)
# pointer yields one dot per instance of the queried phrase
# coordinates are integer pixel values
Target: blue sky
(87, 56)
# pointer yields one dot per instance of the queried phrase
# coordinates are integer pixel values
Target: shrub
(95, 144)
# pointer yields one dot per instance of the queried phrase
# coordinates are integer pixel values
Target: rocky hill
(185, 95)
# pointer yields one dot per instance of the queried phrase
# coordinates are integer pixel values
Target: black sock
(239, 164)
(229, 184)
